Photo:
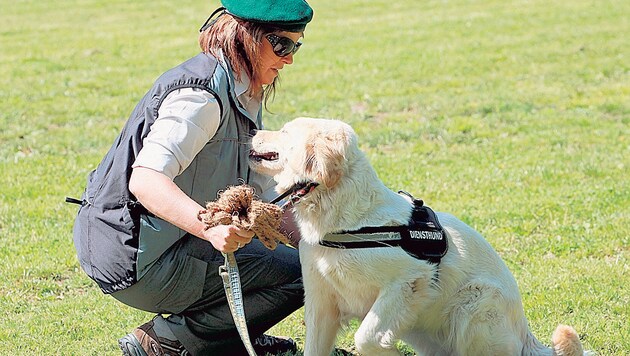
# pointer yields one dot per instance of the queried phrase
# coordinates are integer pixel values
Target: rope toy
(239, 206)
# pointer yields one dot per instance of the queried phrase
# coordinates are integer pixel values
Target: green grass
(513, 115)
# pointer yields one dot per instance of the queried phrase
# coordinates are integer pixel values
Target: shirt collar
(240, 86)
(247, 102)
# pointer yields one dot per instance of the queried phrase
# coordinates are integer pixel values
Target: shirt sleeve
(187, 119)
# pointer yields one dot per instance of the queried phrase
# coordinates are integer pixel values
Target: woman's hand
(163, 198)
(227, 238)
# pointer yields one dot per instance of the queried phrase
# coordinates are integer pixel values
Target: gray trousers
(185, 283)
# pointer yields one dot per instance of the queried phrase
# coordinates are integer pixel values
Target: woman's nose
(288, 59)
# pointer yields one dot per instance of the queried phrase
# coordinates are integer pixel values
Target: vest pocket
(126, 219)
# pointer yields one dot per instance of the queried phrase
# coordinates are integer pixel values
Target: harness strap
(362, 240)
(422, 238)
(353, 240)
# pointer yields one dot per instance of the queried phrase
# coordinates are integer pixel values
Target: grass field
(512, 115)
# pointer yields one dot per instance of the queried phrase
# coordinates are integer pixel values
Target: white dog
(467, 303)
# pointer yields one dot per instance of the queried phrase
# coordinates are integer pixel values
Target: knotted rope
(239, 206)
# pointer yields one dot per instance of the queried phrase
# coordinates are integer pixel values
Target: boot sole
(130, 346)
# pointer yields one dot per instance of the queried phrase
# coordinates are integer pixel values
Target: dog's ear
(326, 157)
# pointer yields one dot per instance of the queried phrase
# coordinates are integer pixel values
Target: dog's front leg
(321, 315)
(390, 316)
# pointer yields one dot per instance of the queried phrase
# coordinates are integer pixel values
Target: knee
(290, 294)
(295, 288)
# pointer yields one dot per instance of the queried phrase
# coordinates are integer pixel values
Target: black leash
(295, 193)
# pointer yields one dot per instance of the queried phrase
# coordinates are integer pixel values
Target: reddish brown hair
(240, 42)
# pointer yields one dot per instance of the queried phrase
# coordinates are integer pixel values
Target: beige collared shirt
(187, 119)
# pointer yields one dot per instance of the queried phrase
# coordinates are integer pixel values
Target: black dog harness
(423, 237)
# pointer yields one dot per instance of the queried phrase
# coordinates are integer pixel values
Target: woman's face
(271, 62)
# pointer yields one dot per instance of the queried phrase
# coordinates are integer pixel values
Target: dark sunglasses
(283, 46)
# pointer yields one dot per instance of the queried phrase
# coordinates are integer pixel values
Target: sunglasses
(283, 46)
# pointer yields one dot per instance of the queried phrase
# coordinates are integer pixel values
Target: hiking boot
(274, 345)
(144, 341)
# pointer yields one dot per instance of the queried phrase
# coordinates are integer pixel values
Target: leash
(232, 280)
(232, 286)
(295, 193)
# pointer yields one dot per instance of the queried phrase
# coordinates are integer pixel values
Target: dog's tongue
(269, 156)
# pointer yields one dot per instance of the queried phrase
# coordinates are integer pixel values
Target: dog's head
(304, 150)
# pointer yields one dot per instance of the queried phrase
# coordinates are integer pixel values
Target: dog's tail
(565, 342)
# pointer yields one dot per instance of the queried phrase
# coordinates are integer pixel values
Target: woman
(137, 233)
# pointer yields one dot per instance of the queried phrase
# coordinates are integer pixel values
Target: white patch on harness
(377, 236)
(425, 235)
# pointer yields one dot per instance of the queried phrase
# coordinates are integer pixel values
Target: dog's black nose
(252, 132)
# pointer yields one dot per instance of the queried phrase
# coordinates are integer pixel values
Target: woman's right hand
(227, 238)
(163, 198)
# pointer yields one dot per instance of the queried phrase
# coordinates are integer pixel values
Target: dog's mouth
(263, 156)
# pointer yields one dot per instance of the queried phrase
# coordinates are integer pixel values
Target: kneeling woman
(137, 233)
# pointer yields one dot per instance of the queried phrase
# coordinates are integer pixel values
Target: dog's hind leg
(484, 321)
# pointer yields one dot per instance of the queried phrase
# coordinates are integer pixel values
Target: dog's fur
(473, 307)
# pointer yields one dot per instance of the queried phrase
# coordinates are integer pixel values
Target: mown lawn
(513, 115)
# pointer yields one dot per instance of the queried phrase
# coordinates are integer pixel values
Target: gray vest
(110, 226)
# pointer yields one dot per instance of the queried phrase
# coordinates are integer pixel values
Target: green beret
(287, 15)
